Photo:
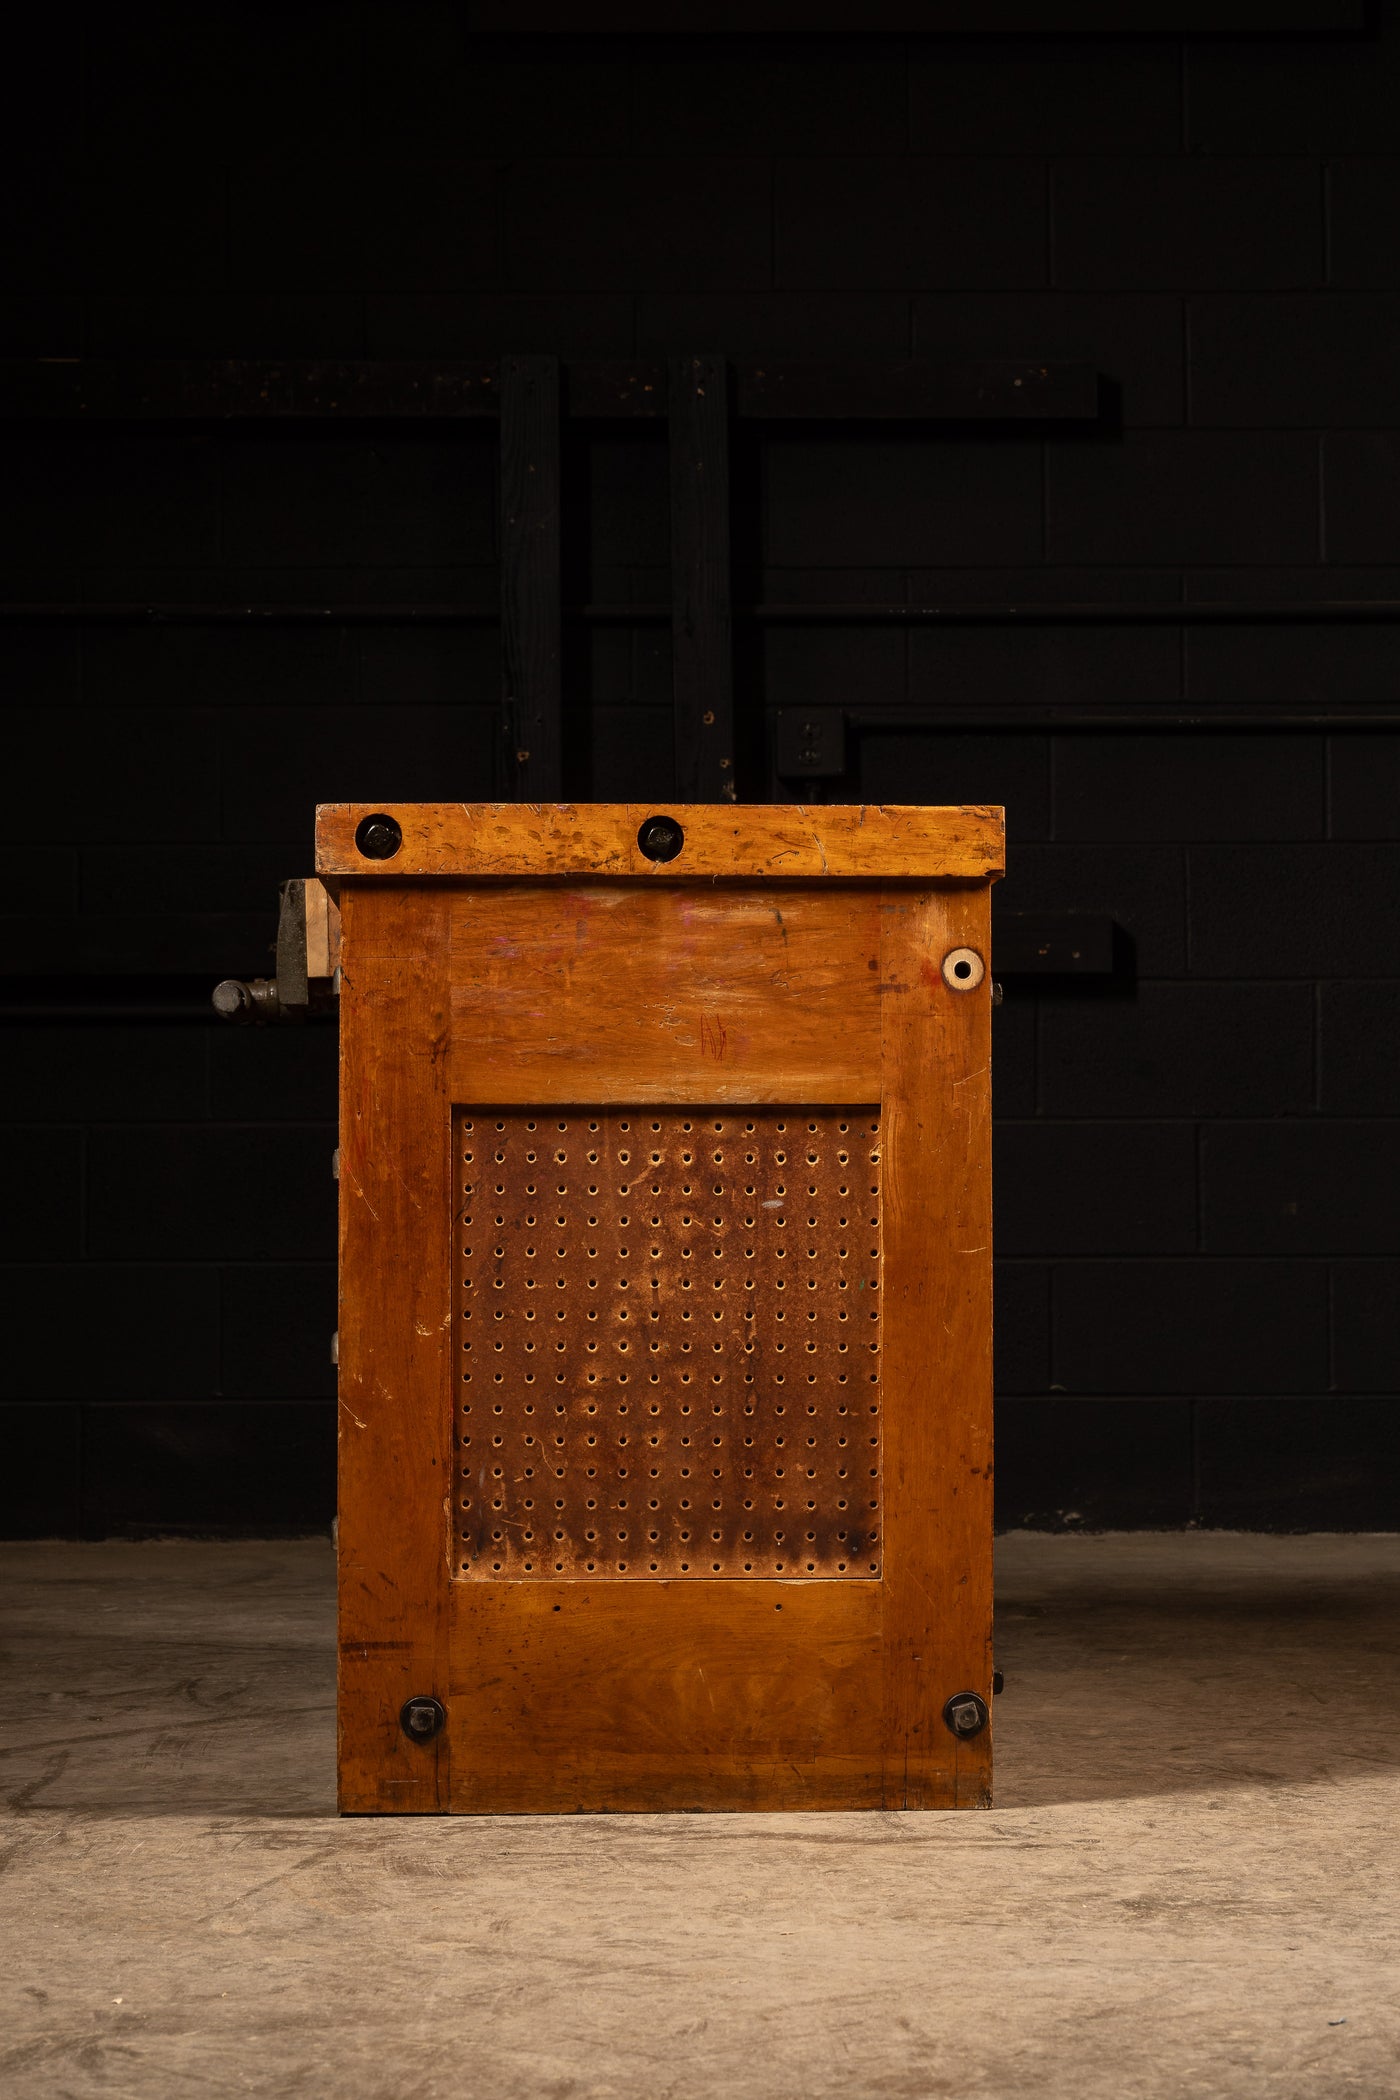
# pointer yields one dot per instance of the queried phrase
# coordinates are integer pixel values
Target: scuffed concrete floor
(1189, 1886)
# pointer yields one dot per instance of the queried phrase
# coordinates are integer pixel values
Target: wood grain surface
(642, 993)
(559, 841)
(395, 1350)
(937, 1348)
(480, 1004)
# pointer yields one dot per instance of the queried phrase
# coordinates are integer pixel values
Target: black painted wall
(1199, 1161)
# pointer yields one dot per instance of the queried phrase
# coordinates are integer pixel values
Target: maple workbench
(665, 1306)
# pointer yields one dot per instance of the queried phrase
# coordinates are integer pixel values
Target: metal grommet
(965, 1714)
(963, 969)
(661, 838)
(378, 837)
(422, 1718)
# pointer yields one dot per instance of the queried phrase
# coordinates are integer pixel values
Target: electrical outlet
(810, 742)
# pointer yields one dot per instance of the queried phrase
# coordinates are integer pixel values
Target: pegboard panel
(669, 1343)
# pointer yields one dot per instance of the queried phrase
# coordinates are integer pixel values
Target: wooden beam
(973, 391)
(170, 389)
(702, 640)
(531, 611)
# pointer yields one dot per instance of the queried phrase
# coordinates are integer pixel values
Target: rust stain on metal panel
(670, 1343)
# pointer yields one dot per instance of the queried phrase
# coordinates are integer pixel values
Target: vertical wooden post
(532, 708)
(701, 635)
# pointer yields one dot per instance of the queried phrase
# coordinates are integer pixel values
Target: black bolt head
(378, 837)
(661, 838)
(422, 1718)
(965, 1714)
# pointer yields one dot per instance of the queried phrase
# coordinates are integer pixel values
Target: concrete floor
(1190, 1884)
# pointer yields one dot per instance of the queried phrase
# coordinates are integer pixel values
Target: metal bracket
(307, 984)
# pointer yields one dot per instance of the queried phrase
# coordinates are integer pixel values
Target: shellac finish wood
(666, 1310)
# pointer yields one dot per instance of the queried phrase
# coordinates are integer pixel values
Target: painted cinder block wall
(1198, 1161)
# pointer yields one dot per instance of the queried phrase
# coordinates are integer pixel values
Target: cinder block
(277, 1324)
(101, 499)
(1157, 223)
(1339, 368)
(1261, 95)
(126, 1073)
(213, 666)
(1365, 1331)
(294, 500)
(1363, 224)
(140, 765)
(1179, 1050)
(1294, 910)
(40, 1477)
(874, 501)
(632, 754)
(48, 514)
(158, 944)
(43, 883)
(1362, 494)
(1190, 787)
(1027, 665)
(213, 1194)
(38, 667)
(226, 324)
(775, 324)
(637, 225)
(887, 222)
(43, 1170)
(146, 881)
(1013, 1049)
(486, 324)
(829, 666)
(1134, 339)
(42, 324)
(1277, 1465)
(939, 766)
(1041, 96)
(1022, 1339)
(1095, 1188)
(1359, 1051)
(297, 80)
(1301, 1188)
(431, 499)
(1190, 1327)
(1093, 1465)
(118, 1331)
(1141, 888)
(1364, 780)
(1170, 496)
(703, 97)
(1273, 665)
(147, 223)
(433, 83)
(430, 666)
(627, 482)
(278, 764)
(261, 1075)
(228, 1468)
(294, 224)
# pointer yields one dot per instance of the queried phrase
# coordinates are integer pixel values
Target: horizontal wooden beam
(95, 390)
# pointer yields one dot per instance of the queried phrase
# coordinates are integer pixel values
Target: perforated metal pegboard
(670, 1343)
